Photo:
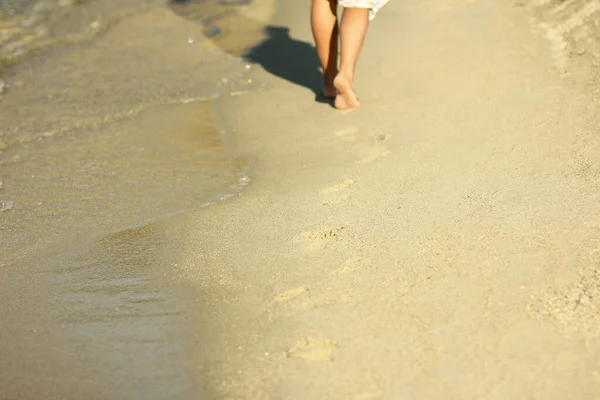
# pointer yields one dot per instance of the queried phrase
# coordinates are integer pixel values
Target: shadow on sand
(289, 59)
(277, 52)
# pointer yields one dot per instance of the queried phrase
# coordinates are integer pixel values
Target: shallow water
(140, 60)
(165, 161)
(118, 130)
(107, 124)
(103, 321)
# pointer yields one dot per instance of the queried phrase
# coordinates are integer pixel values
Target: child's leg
(325, 32)
(355, 22)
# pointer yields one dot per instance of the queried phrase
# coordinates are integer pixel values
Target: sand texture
(441, 242)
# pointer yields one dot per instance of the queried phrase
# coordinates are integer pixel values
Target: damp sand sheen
(440, 242)
(108, 124)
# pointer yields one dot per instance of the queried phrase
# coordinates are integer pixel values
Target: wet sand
(97, 322)
(108, 124)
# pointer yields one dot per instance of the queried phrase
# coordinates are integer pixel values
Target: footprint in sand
(321, 302)
(350, 134)
(350, 265)
(313, 350)
(347, 183)
(373, 153)
(327, 234)
(316, 241)
(369, 153)
(290, 294)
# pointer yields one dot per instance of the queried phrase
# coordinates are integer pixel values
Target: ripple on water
(103, 321)
(71, 163)
(142, 61)
(165, 161)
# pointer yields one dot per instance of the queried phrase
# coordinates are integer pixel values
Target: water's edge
(90, 307)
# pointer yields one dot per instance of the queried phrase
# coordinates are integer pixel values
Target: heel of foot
(346, 98)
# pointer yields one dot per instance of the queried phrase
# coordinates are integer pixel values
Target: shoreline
(439, 242)
(84, 290)
(25, 149)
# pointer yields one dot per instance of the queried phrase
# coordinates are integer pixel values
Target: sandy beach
(441, 242)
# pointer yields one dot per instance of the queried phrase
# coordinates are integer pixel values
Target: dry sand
(441, 242)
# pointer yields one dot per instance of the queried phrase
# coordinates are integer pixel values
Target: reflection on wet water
(233, 25)
(147, 59)
(27, 26)
(165, 161)
(67, 162)
(102, 322)
(9, 8)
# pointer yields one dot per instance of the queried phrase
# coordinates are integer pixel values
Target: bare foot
(346, 98)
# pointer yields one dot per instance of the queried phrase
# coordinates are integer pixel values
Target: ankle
(329, 76)
(346, 73)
